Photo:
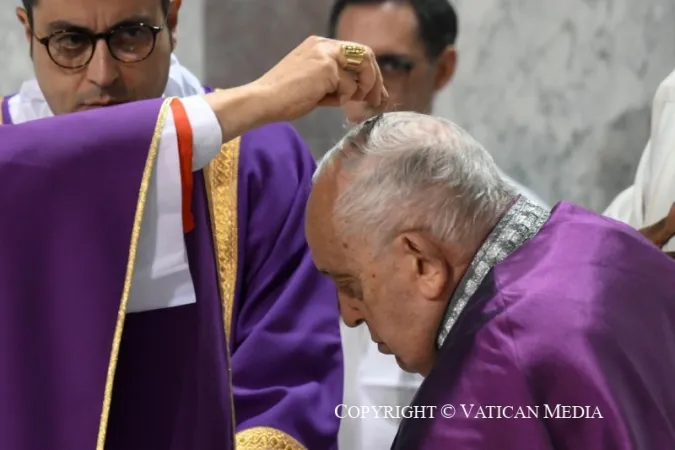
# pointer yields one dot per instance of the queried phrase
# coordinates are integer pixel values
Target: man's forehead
(389, 27)
(332, 256)
(328, 248)
(334, 177)
(320, 205)
(95, 14)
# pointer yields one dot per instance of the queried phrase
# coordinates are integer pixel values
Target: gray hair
(415, 171)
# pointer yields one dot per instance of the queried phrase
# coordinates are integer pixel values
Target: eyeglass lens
(127, 44)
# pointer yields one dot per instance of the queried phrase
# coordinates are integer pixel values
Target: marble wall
(13, 49)
(559, 92)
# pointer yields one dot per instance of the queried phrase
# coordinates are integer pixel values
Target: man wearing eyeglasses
(238, 269)
(92, 56)
(414, 43)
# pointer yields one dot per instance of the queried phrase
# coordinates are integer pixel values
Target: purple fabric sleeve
(69, 189)
(287, 354)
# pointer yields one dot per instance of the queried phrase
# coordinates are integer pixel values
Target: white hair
(415, 171)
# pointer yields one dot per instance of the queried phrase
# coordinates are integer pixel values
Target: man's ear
(446, 65)
(172, 19)
(22, 15)
(428, 267)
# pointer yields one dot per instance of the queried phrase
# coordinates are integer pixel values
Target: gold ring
(354, 55)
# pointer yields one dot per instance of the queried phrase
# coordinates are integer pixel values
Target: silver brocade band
(520, 223)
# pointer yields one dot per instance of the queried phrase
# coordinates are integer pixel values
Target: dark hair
(28, 5)
(436, 19)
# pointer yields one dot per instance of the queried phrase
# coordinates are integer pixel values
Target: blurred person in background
(414, 42)
(647, 204)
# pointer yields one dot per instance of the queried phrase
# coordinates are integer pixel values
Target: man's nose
(103, 69)
(351, 314)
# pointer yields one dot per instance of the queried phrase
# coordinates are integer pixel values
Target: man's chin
(406, 367)
(386, 351)
(402, 364)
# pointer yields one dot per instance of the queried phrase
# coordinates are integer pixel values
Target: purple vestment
(258, 288)
(565, 340)
(69, 190)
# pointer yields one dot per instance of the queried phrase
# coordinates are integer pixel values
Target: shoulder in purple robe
(568, 342)
(281, 313)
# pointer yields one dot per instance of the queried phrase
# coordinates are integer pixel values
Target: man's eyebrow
(59, 25)
(135, 20)
(64, 25)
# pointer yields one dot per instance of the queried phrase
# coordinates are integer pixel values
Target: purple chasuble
(69, 191)
(560, 336)
(284, 336)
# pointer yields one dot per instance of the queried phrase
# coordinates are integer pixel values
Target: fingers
(368, 76)
(348, 87)
(377, 94)
(346, 90)
(350, 71)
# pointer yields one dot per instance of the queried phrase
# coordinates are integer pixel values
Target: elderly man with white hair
(508, 310)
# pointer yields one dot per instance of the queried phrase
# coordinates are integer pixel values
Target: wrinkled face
(104, 80)
(386, 291)
(391, 30)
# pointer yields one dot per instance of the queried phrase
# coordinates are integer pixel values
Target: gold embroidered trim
(221, 177)
(131, 263)
(266, 438)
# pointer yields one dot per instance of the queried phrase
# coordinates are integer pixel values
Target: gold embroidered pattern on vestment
(221, 180)
(266, 438)
(221, 177)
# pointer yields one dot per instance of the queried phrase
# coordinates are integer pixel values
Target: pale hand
(314, 74)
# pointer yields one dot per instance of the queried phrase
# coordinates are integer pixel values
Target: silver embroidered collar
(520, 223)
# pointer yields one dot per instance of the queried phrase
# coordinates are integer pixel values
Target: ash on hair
(415, 171)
